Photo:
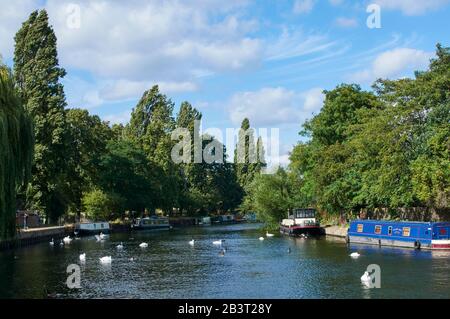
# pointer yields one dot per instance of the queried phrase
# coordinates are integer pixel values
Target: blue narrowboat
(428, 235)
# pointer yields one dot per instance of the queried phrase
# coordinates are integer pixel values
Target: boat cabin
(432, 235)
(301, 221)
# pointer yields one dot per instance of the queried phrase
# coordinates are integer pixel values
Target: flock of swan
(365, 278)
(101, 237)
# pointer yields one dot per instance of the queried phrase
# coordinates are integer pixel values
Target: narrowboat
(88, 228)
(302, 221)
(427, 235)
(151, 223)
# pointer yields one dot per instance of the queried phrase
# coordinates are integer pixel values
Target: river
(278, 267)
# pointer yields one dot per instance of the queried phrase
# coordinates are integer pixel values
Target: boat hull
(92, 228)
(301, 230)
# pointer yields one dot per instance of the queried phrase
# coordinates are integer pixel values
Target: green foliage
(99, 205)
(248, 157)
(37, 76)
(16, 149)
(270, 196)
(386, 149)
(88, 140)
(125, 170)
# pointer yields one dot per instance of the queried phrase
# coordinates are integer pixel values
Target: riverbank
(336, 231)
(26, 237)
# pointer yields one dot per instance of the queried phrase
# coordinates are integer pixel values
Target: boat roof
(376, 221)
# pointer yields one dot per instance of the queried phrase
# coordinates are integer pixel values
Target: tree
(37, 76)
(150, 128)
(16, 149)
(125, 171)
(246, 155)
(99, 205)
(88, 139)
(270, 196)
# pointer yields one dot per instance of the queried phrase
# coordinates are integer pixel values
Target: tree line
(64, 162)
(385, 150)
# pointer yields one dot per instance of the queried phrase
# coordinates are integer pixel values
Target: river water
(278, 267)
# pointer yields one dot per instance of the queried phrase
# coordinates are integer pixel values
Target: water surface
(171, 268)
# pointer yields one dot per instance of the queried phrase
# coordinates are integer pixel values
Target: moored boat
(302, 221)
(88, 228)
(427, 235)
(151, 223)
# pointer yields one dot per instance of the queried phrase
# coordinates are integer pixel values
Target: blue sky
(266, 60)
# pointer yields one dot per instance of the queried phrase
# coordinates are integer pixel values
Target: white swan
(218, 242)
(67, 240)
(192, 242)
(102, 236)
(106, 260)
(365, 278)
(120, 246)
(52, 243)
(61, 243)
(269, 234)
(83, 257)
(354, 255)
(143, 245)
(261, 238)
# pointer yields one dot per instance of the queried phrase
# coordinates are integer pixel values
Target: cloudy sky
(265, 60)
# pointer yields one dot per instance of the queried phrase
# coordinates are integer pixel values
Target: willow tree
(16, 146)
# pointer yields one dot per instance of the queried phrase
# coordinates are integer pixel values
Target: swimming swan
(261, 238)
(192, 242)
(83, 257)
(105, 260)
(218, 242)
(120, 246)
(143, 245)
(269, 234)
(67, 240)
(366, 279)
(355, 255)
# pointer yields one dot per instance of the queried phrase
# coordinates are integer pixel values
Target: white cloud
(155, 40)
(274, 106)
(291, 44)
(346, 22)
(303, 6)
(412, 7)
(123, 90)
(12, 15)
(395, 63)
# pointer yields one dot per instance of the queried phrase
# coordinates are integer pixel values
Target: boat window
(406, 231)
(390, 230)
(360, 228)
(377, 229)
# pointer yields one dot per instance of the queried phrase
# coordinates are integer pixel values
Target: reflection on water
(278, 267)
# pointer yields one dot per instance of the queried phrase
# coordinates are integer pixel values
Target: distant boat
(151, 223)
(92, 228)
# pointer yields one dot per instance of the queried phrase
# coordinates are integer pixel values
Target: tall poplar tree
(38, 75)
